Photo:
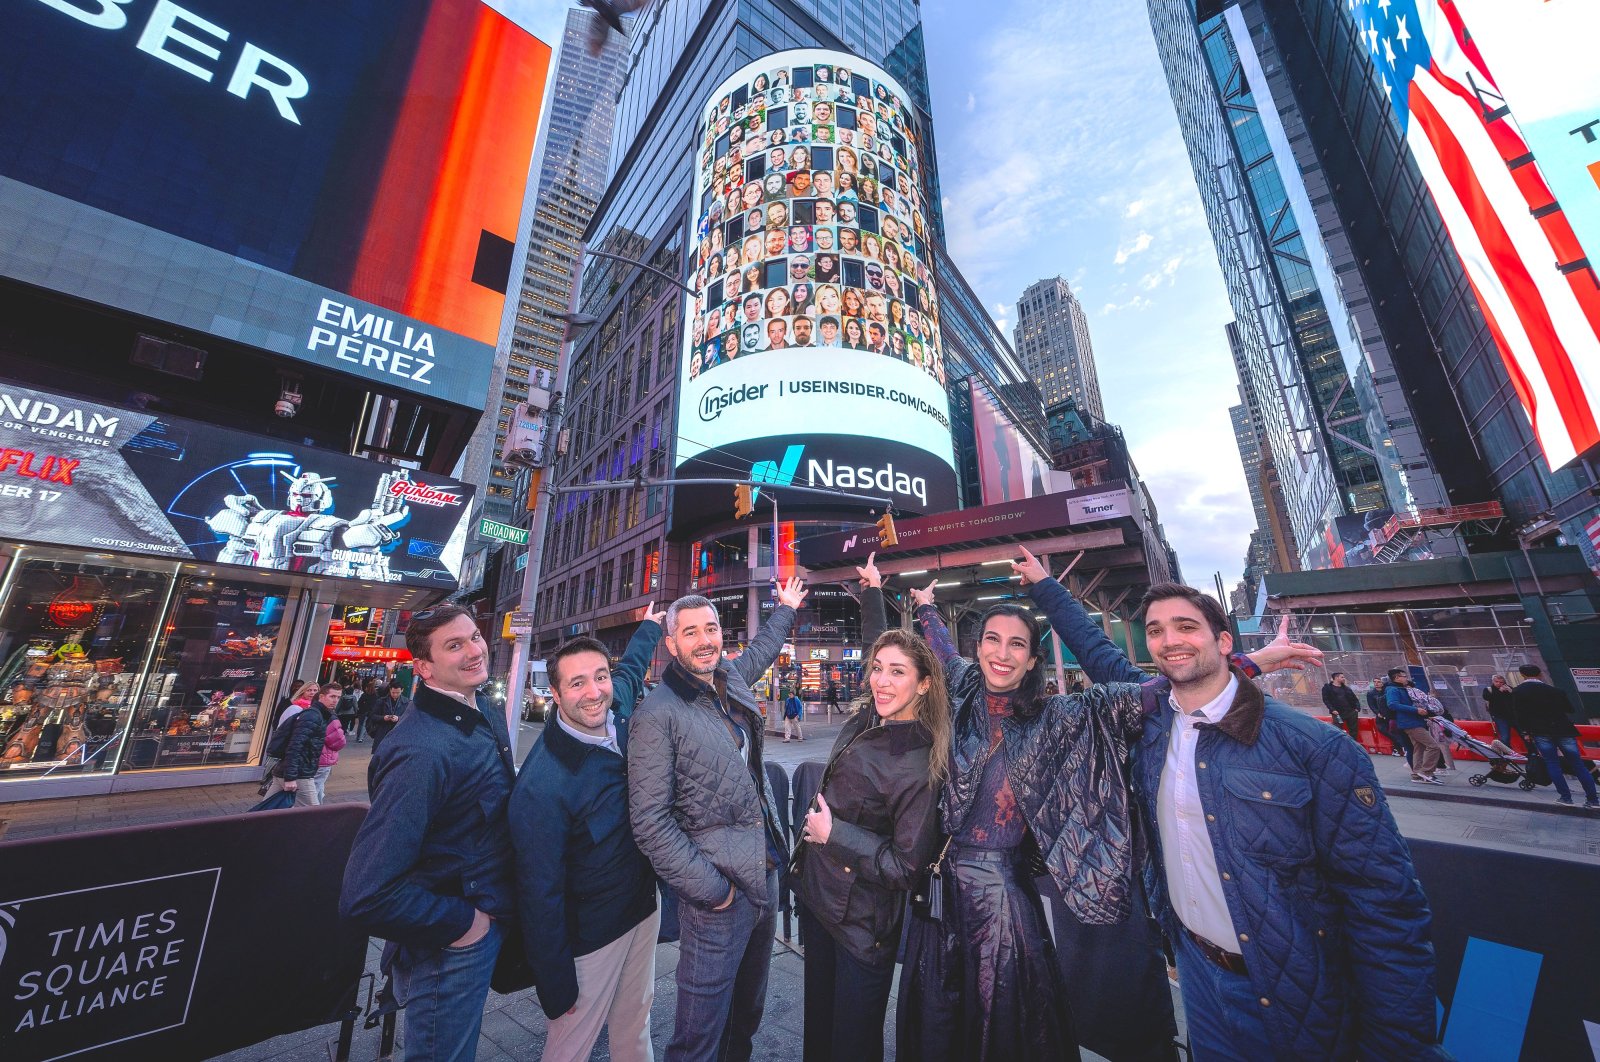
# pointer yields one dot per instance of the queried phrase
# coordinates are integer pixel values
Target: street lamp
(576, 324)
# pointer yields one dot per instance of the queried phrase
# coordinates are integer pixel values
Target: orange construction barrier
(1377, 743)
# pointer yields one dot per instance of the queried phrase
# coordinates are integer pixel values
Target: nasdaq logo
(778, 473)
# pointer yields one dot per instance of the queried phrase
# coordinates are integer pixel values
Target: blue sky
(1059, 153)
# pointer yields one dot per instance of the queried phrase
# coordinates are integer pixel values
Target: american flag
(1506, 226)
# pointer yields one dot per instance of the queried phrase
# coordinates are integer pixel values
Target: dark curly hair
(1028, 698)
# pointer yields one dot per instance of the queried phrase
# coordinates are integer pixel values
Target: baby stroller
(1505, 766)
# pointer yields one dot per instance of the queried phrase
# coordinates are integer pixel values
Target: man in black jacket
(1542, 714)
(586, 895)
(297, 769)
(382, 715)
(1341, 703)
(431, 868)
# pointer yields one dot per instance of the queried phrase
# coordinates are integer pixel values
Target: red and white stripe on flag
(1546, 324)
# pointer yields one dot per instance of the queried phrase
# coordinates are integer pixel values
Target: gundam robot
(304, 537)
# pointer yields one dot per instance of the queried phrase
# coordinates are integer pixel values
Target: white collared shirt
(607, 742)
(1193, 882)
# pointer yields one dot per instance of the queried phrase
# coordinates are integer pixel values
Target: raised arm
(938, 635)
(768, 643)
(874, 615)
(627, 679)
(652, 791)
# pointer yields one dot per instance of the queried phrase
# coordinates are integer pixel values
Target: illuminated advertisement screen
(1009, 468)
(1479, 87)
(337, 181)
(75, 473)
(812, 347)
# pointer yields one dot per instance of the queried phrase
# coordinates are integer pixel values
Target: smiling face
(1005, 653)
(695, 641)
(895, 684)
(458, 658)
(582, 689)
(1185, 648)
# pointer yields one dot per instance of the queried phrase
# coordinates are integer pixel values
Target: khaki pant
(616, 986)
(794, 725)
(1427, 753)
(305, 791)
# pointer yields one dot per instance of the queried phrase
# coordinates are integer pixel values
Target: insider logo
(717, 399)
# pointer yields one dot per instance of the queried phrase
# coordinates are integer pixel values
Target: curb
(1549, 807)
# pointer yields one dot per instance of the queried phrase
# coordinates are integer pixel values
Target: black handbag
(930, 896)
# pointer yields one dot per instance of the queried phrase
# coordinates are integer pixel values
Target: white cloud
(972, 102)
(1138, 302)
(1133, 209)
(1164, 275)
(1140, 244)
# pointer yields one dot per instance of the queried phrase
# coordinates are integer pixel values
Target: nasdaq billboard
(336, 181)
(811, 349)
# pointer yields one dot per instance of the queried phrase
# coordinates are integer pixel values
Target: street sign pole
(521, 648)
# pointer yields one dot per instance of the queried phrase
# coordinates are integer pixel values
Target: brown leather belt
(1230, 961)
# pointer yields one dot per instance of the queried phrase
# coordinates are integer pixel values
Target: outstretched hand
(1281, 654)
(925, 595)
(655, 615)
(1029, 568)
(792, 592)
(870, 576)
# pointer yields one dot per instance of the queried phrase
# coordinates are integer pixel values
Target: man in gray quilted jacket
(704, 816)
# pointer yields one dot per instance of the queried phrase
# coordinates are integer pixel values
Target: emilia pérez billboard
(337, 181)
(1479, 88)
(812, 347)
(76, 473)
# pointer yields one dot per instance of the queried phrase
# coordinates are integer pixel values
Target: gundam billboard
(78, 473)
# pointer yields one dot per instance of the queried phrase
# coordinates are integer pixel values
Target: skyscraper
(562, 196)
(1370, 349)
(1052, 338)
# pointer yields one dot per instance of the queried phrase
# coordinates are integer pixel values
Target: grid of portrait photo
(812, 231)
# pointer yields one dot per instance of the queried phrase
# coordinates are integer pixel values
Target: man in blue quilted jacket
(1274, 866)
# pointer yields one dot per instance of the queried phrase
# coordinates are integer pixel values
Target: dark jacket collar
(569, 750)
(902, 737)
(447, 709)
(687, 686)
(1243, 721)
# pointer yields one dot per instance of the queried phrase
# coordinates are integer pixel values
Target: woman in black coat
(873, 828)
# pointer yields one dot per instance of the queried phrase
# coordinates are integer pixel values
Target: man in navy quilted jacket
(1275, 866)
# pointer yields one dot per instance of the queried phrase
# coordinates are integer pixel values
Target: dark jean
(1221, 1008)
(443, 995)
(1556, 750)
(1502, 730)
(1399, 737)
(723, 959)
(846, 1000)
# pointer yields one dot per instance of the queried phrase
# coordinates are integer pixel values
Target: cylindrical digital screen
(811, 351)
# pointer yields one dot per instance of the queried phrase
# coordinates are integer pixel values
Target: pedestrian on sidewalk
(287, 709)
(586, 894)
(367, 708)
(703, 812)
(793, 713)
(1275, 865)
(1501, 701)
(1542, 712)
(833, 695)
(382, 716)
(1342, 705)
(349, 702)
(1378, 702)
(1411, 718)
(296, 772)
(333, 738)
(431, 868)
(871, 832)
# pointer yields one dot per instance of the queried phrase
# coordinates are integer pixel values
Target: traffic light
(886, 534)
(743, 501)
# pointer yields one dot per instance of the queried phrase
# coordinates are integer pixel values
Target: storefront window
(201, 703)
(73, 638)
